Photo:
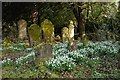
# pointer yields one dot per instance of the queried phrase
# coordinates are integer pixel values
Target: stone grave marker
(22, 24)
(35, 34)
(68, 33)
(44, 51)
(58, 38)
(48, 30)
(65, 34)
(71, 31)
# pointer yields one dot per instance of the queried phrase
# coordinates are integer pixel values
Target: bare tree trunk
(79, 16)
(29, 38)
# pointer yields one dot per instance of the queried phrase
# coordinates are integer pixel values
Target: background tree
(88, 17)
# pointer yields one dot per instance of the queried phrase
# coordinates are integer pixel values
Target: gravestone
(71, 31)
(58, 38)
(68, 33)
(72, 46)
(65, 34)
(45, 50)
(7, 41)
(35, 34)
(48, 30)
(22, 24)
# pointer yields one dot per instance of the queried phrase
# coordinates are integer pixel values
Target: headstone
(35, 34)
(71, 31)
(65, 34)
(14, 29)
(22, 24)
(48, 30)
(44, 51)
(58, 38)
(72, 46)
(7, 42)
(68, 33)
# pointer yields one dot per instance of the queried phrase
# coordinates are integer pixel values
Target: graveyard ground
(101, 61)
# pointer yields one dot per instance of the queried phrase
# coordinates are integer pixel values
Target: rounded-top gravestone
(35, 33)
(22, 24)
(48, 30)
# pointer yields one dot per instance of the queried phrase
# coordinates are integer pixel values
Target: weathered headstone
(65, 34)
(22, 24)
(7, 42)
(68, 33)
(58, 38)
(44, 51)
(71, 31)
(48, 30)
(72, 46)
(35, 34)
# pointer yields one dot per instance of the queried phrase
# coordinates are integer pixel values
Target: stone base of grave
(45, 50)
(72, 46)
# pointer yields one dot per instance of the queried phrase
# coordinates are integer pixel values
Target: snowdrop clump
(61, 59)
(19, 47)
(7, 61)
(21, 60)
(103, 48)
(76, 56)
(29, 57)
(64, 59)
(15, 47)
(61, 63)
(106, 48)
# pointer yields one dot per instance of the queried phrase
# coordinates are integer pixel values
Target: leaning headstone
(48, 30)
(71, 31)
(35, 34)
(22, 24)
(65, 34)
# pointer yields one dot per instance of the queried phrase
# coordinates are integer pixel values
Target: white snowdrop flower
(8, 59)
(3, 61)
(28, 49)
